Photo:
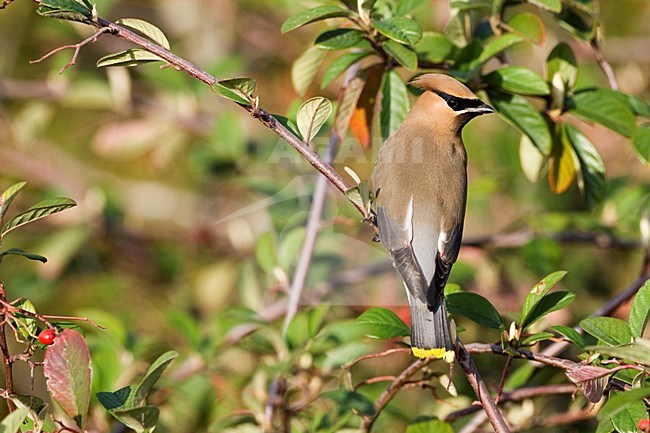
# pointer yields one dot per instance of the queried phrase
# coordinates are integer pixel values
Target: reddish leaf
(67, 368)
(590, 379)
(364, 113)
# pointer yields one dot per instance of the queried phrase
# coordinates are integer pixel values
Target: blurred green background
(176, 187)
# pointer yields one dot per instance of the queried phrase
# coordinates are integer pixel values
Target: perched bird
(420, 184)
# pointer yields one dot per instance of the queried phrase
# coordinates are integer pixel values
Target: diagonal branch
(264, 117)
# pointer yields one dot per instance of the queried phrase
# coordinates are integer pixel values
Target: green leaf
(312, 15)
(114, 400)
(404, 55)
(147, 29)
(400, 29)
(344, 354)
(579, 23)
(67, 368)
(36, 212)
(605, 107)
(395, 103)
(591, 178)
(69, 10)
(434, 47)
(638, 106)
(640, 310)
(12, 422)
(475, 307)
(626, 420)
(305, 67)
(549, 5)
(429, 425)
(27, 324)
(619, 401)
(403, 7)
(140, 419)
(531, 159)
(570, 334)
(517, 79)
(236, 89)
(609, 330)
(139, 394)
(562, 61)
(641, 142)
(339, 39)
(534, 338)
(287, 123)
(523, 115)
(381, 323)
(305, 326)
(629, 352)
(340, 65)
(499, 44)
(19, 252)
(312, 115)
(530, 26)
(605, 426)
(290, 246)
(348, 401)
(8, 196)
(455, 29)
(549, 303)
(266, 252)
(539, 291)
(130, 57)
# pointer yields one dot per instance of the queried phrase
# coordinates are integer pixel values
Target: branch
(312, 230)
(77, 47)
(264, 117)
(603, 63)
(393, 389)
(6, 355)
(482, 393)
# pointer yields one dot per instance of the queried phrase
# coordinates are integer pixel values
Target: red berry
(644, 424)
(47, 337)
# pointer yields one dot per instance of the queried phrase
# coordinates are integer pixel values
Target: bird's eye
(452, 102)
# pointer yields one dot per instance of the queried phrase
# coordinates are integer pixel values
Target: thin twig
(6, 3)
(393, 388)
(77, 47)
(603, 63)
(311, 233)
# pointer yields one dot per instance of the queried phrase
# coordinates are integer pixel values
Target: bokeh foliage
(191, 215)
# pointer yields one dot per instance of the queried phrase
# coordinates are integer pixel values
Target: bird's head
(451, 100)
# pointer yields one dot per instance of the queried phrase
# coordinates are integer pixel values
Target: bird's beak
(481, 109)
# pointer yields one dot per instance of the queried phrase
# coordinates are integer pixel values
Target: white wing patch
(443, 240)
(408, 221)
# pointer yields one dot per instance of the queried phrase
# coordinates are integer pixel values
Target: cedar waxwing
(420, 179)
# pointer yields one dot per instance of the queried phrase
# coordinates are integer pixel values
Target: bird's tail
(430, 332)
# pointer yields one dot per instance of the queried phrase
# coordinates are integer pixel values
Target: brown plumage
(421, 184)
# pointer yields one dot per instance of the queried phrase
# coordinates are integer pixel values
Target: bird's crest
(442, 83)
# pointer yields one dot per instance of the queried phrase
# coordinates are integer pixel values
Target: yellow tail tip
(438, 353)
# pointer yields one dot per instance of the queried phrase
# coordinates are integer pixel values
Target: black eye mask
(459, 104)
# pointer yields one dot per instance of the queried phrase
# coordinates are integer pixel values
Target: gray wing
(398, 243)
(445, 258)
